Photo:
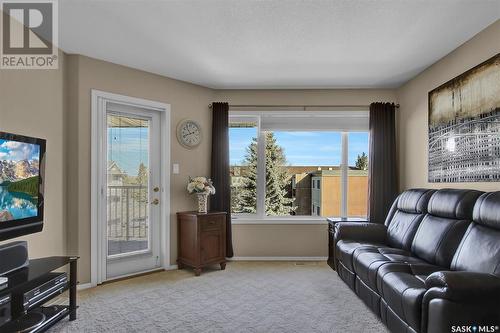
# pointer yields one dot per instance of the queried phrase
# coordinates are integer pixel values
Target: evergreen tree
(362, 162)
(276, 200)
(142, 175)
(246, 195)
(141, 179)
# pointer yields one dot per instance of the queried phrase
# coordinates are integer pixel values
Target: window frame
(260, 216)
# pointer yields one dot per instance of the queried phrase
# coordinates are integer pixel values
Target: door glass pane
(127, 184)
(357, 188)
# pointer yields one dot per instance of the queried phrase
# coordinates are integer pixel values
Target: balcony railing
(127, 212)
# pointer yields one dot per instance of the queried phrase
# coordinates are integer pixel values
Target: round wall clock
(189, 133)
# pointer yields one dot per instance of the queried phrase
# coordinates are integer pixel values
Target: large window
(299, 164)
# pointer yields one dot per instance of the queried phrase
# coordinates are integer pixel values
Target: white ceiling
(274, 44)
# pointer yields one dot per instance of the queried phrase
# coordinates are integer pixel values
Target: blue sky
(301, 148)
(128, 147)
(16, 151)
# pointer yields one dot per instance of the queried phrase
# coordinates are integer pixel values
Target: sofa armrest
(360, 231)
(463, 286)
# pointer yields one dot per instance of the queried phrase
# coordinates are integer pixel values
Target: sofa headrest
(487, 210)
(453, 203)
(414, 200)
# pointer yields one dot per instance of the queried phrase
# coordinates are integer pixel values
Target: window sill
(279, 220)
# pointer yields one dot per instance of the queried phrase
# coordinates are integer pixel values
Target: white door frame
(99, 100)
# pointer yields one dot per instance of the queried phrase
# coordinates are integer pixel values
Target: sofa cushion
(487, 210)
(405, 215)
(402, 229)
(479, 249)
(414, 201)
(453, 203)
(402, 287)
(367, 261)
(345, 249)
(437, 239)
(441, 230)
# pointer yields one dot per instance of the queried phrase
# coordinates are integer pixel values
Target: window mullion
(344, 174)
(261, 171)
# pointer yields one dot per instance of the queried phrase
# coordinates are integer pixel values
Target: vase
(202, 202)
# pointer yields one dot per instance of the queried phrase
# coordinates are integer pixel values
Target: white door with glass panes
(132, 190)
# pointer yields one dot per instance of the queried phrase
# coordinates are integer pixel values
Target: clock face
(189, 133)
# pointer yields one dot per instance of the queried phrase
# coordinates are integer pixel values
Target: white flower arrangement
(200, 185)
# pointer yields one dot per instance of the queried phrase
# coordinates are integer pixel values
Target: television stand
(27, 277)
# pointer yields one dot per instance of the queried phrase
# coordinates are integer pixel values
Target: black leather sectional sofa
(433, 266)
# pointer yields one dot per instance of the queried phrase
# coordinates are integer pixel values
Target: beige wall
(412, 117)
(286, 240)
(31, 103)
(280, 240)
(186, 100)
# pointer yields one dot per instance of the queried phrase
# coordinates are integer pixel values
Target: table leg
(72, 289)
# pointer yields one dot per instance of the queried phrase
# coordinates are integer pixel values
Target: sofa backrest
(449, 213)
(405, 215)
(479, 249)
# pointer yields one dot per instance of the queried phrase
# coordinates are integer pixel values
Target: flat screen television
(22, 164)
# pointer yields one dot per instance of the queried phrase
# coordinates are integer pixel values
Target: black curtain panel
(382, 171)
(221, 201)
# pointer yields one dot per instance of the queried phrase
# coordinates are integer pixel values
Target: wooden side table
(331, 235)
(201, 240)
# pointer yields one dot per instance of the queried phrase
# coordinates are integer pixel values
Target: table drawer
(210, 223)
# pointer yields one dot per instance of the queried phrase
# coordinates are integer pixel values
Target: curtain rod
(297, 106)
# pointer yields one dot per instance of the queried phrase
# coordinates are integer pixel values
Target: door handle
(156, 202)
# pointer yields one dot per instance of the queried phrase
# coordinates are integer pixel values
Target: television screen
(21, 184)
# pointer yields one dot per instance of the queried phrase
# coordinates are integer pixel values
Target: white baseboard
(84, 286)
(278, 259)
(171, 268)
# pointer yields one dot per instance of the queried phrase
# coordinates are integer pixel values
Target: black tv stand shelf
(28, 276)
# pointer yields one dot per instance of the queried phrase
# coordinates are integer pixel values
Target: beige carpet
(246, 297)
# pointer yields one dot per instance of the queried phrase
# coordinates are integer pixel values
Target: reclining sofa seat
(397, 232)
(410, 290)
(470, 292)
(402, 284)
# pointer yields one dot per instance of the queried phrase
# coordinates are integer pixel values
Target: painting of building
(464, 126)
